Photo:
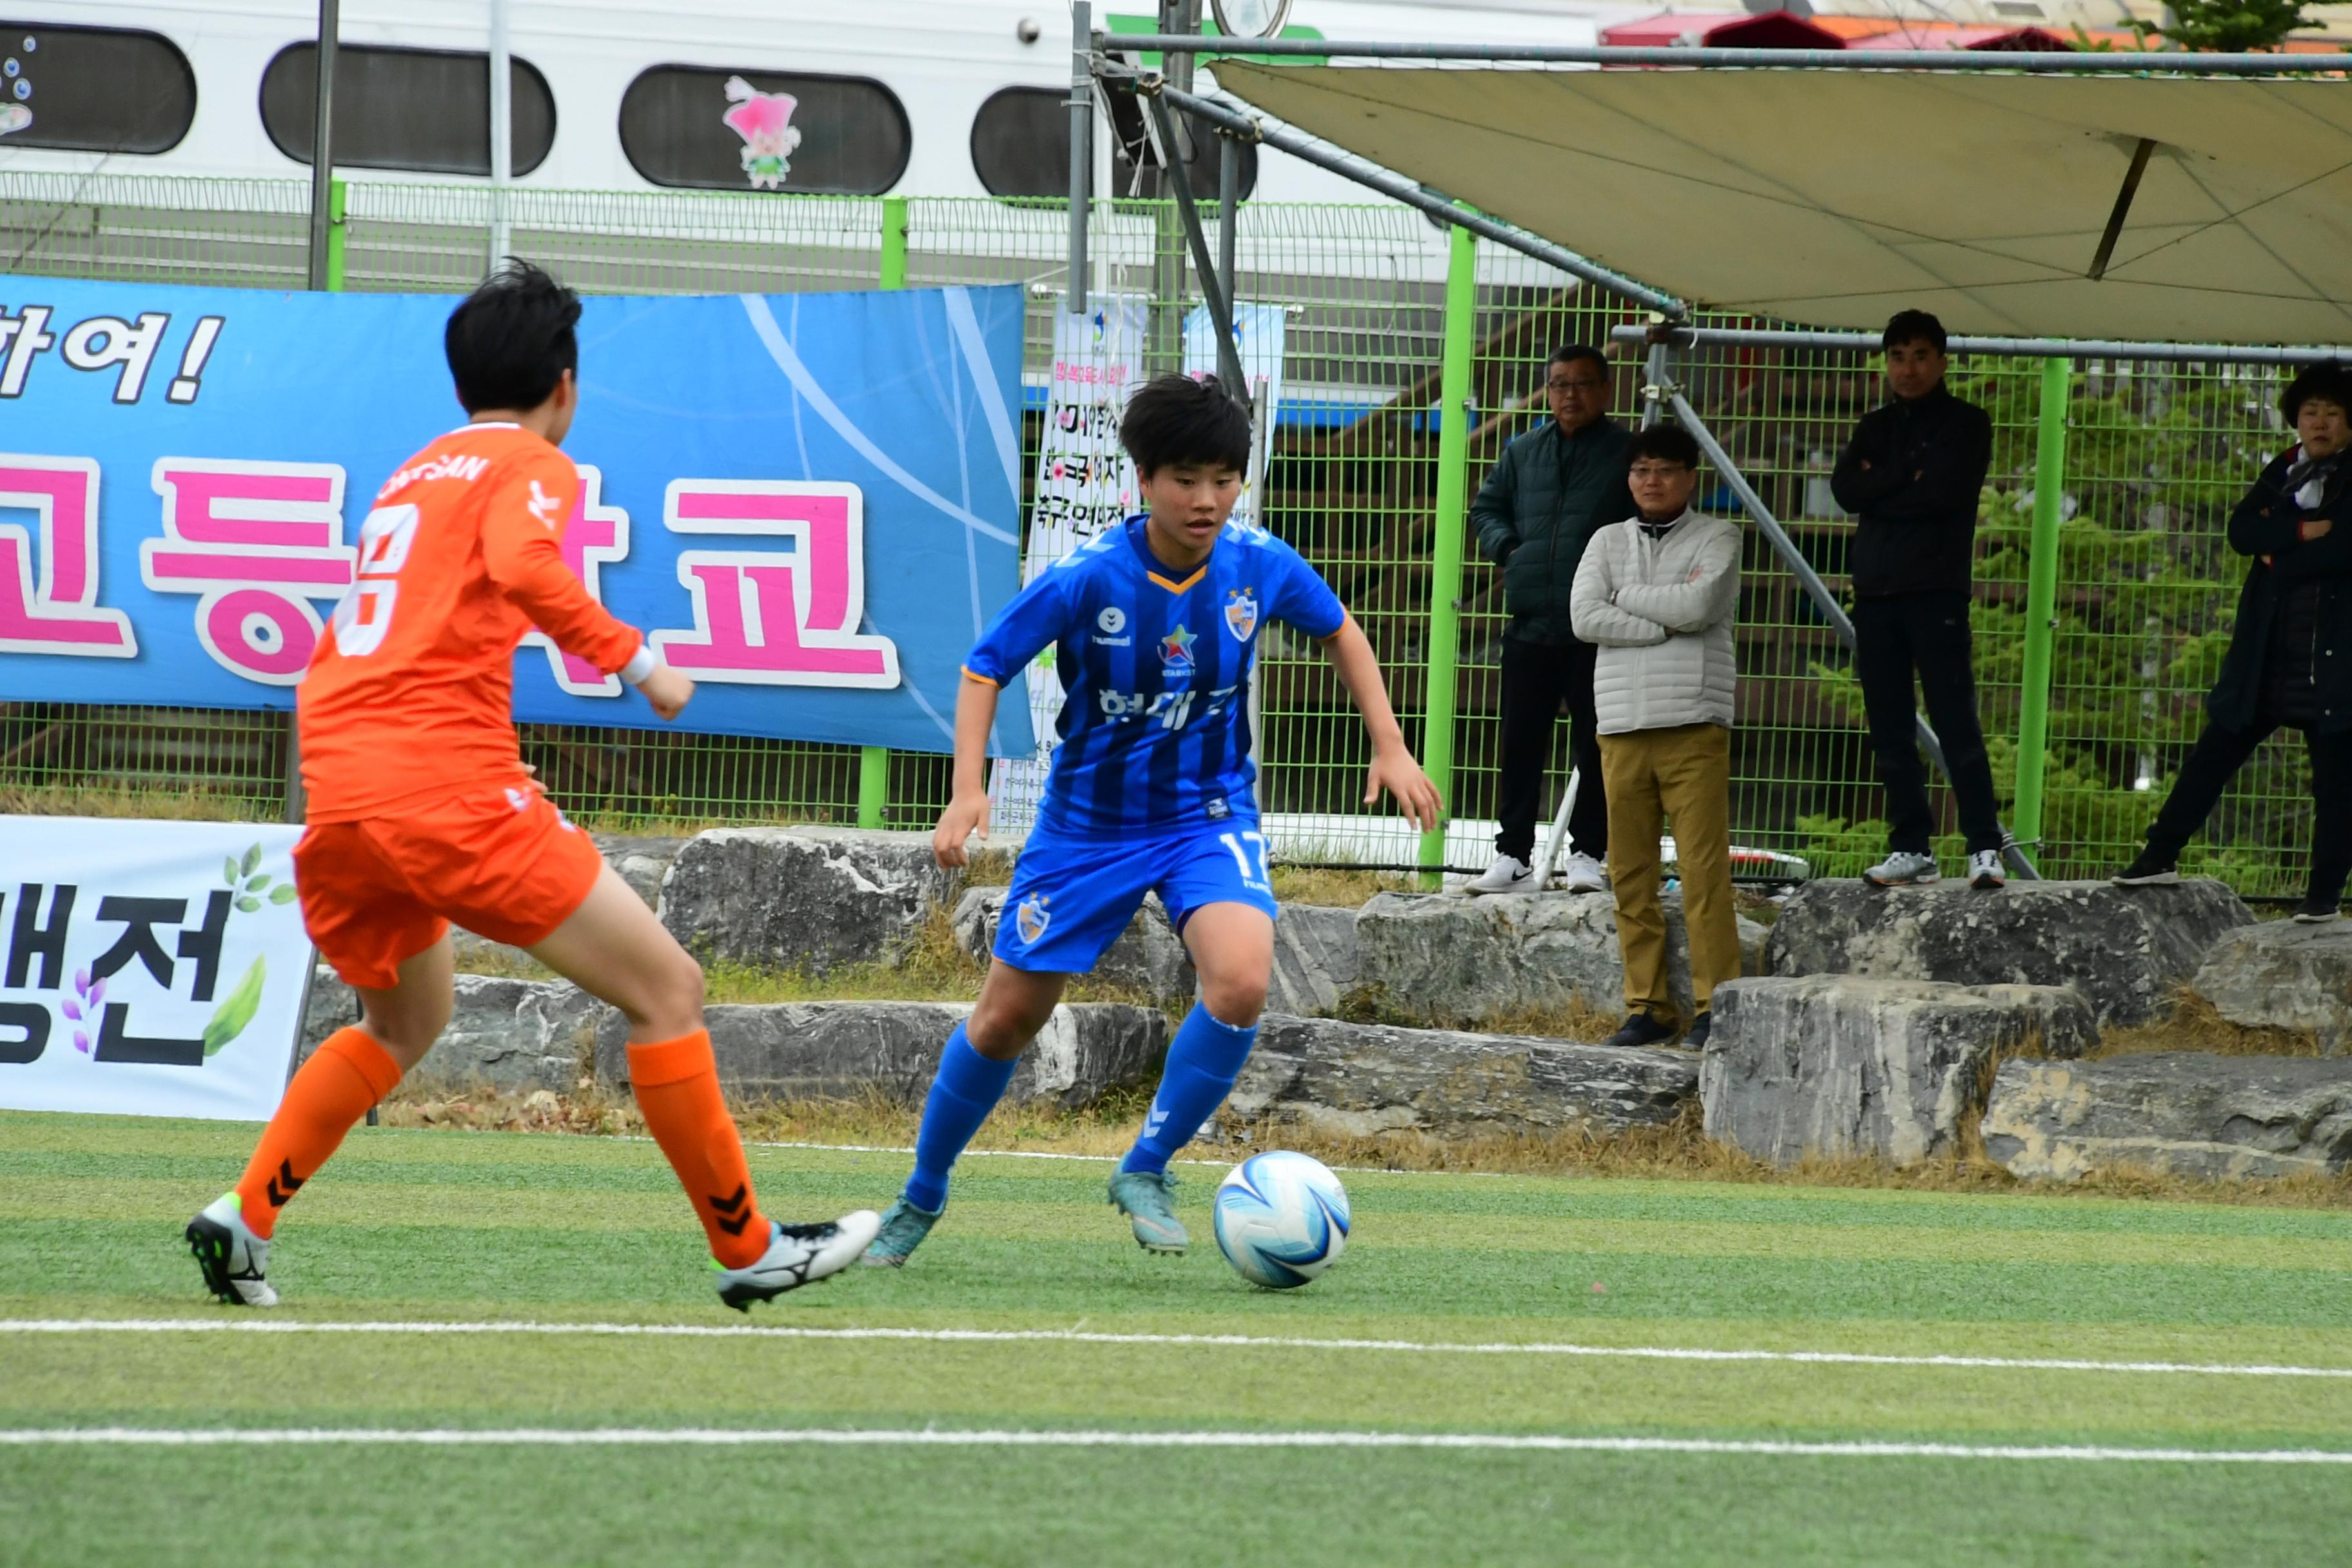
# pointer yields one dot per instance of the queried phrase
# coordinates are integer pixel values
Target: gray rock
(807, 898)
(840, 1050)
(1838, 1065)
(1149, 956)
(1445, 956)
(642, 862)
(1357, 1080)
(516, 1034)
(2125, 948)
(2282, 975)
(2185, 1113)
(1315, 959)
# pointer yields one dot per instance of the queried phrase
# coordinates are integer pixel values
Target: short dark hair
(1175, 419)
(1568, 353)
(2330, 381)
(510, 340)
(1666, 443)
(1910, 327)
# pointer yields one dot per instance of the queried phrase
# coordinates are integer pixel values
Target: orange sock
(343, 1077)
(677, 1086)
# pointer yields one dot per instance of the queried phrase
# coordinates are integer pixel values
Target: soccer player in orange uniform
(422, 813)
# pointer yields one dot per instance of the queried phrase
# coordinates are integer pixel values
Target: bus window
(93, 90)
(1021, 142)
(764, 131)
(427, 110)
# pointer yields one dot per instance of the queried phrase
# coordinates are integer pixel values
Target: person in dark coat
(1548, 493)
(2290, 659)
(1913, 474)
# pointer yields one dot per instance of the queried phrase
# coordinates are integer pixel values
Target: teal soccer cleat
(1143, 1197)
(903, 1228)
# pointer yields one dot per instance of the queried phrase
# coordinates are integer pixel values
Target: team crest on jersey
(1031, 916)
(1240, 613)
(1176, 651)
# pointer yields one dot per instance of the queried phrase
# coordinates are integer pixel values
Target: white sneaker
(233, 1259)
(796, 1255)
(1583, 874)
(1507, 874)
(1984, 870)
(1901, 869)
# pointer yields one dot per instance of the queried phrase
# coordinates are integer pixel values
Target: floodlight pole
(1082, 152)
(322, 145)
(1815, 589)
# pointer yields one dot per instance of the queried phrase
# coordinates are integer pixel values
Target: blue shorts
(1073, 894)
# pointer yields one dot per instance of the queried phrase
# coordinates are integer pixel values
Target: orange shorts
(502, 863)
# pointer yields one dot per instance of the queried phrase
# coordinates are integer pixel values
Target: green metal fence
(1368, 478)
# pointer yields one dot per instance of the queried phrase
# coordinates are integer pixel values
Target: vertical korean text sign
(809, 502)
(149, 968)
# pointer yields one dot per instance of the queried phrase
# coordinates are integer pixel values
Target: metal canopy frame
(1093, 60)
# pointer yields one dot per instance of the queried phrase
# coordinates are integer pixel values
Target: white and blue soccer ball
(1282, 1219)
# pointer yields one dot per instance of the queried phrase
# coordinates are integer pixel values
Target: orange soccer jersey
(410, 698)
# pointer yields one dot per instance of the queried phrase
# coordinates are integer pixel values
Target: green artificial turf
(455, 1227)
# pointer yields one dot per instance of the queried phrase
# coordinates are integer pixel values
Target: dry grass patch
(1573, 1019)
(1339, 888)
(2194, 1025)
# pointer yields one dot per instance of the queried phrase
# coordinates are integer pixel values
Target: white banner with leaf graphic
(149, 968)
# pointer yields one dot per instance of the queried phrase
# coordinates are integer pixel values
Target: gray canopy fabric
(1835, 197)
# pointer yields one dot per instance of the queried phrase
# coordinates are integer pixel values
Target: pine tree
(2228, 26)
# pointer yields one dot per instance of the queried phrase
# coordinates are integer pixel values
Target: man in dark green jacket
(1549, 492)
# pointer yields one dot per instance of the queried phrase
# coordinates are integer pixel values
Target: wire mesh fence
(2158, 455)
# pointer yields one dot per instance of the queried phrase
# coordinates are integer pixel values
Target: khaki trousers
(1684, 774)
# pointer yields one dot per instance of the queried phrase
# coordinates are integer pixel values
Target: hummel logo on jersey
(1112, 620)
(1032, 917)
(1240, 613)
(542, 505)
(1176, 651)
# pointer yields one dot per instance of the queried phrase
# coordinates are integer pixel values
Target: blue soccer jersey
(1153, 669)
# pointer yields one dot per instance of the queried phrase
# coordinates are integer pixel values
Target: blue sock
(1203, 1059)
(967, 1088)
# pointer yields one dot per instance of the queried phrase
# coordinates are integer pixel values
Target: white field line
(704, 1437)
(1093, 1337)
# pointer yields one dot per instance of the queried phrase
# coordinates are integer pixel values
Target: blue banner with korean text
(809, 502)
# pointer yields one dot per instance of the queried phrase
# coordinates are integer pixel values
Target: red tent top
(1715, 30)
(1994, 39)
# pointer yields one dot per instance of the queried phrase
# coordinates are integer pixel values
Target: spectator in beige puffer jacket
(1657, 594)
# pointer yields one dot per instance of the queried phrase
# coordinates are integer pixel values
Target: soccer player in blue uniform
(1155, 624)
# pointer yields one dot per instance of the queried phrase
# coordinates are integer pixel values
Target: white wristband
(641, 665)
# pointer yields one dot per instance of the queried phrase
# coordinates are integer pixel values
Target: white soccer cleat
(233, 1259)
(1903, 868)
(1507, 874)
(1583, 874)
(1984, 870)
(797, 1254)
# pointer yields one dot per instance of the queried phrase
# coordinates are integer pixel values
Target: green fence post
(337, 193)
(874, 761)
(2041, 600)
(1453, 495)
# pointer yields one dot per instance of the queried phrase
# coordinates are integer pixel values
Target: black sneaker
(1696, 1039)
(2315, 910)
(1642, 1029)
(2149, 870)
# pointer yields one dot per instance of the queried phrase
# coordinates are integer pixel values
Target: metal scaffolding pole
(1437, 204)
(2024, 348)
(501, 135)
(1815, 589)
(1229, 209)
(1082, 154)
(2051, 62)
(1188, 212)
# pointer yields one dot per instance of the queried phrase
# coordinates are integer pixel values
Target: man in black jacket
(2290, 658)
(1913, 474)
(1550, 490)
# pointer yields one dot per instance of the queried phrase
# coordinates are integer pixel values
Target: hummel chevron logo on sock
(734, 1213)
(292, 1184)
